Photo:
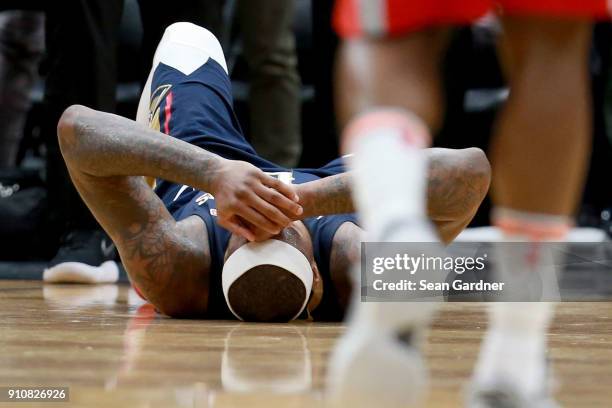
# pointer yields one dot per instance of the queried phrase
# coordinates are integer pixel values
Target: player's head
(271, 280)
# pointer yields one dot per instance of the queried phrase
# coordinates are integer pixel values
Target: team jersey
(198, 109)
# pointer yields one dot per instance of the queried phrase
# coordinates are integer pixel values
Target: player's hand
(307, 196)
(245, 193)
(259, 235)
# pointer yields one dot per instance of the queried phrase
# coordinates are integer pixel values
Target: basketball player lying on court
(213, 194)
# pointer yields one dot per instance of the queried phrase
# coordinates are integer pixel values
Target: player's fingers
(287, 199)
(287, 207)
(258, 220)
(285, 189)
(260, 201)
(237, 228)
(258, 234)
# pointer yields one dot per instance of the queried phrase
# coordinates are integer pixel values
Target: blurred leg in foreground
(540, 153)
(390, 103)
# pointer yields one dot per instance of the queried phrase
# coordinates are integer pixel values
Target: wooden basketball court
(112, 351)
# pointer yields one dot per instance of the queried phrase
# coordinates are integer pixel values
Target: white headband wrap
(270, 252)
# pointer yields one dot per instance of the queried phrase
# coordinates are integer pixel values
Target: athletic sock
(514, 348)
(389, 179)
(389, 170)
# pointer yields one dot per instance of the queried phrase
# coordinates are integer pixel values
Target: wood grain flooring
(112, 351)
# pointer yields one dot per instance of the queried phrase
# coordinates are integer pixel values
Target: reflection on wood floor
(113, 351)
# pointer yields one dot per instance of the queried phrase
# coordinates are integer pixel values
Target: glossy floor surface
(112, 351)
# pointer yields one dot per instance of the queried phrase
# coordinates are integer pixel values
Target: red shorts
(355, 18)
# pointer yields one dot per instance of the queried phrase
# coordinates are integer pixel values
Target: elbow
(166, 287)
(170, 310)
(171, 306)
(66, 131)
(179, 303)
(178, 308)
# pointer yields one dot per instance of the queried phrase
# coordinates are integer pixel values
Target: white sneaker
(78, 272)
(502, 394)
(377, 363)
(376, 368)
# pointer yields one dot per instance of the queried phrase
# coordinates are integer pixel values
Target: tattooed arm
(167, 260)
(345, 252)
(458, 181)
(326, 196)
(108, 145)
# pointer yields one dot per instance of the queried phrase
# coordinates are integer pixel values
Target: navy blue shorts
(198, 108)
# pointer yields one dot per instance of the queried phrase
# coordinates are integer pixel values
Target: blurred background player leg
(274, 100)
(539, 156)
(81, 63)
(83, 69)
(22, 195)
(21, 48)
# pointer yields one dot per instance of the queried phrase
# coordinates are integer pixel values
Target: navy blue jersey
(198, 108)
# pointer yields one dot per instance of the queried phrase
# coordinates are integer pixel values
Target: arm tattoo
(329, 195)
(109, 145)
(159, 259)
(345, 252)
(458, 181)
(457, 184)
(166, 260)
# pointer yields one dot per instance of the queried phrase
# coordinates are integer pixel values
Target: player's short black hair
(267, 293)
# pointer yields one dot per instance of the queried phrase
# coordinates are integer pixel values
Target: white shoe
(377, 363)
(502, 394)
(78, 272)
(374, 368)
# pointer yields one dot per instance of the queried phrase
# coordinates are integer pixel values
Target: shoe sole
(77, 272)
(369, 369)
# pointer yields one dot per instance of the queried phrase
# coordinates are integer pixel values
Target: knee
(187, 46)
(184, 31)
